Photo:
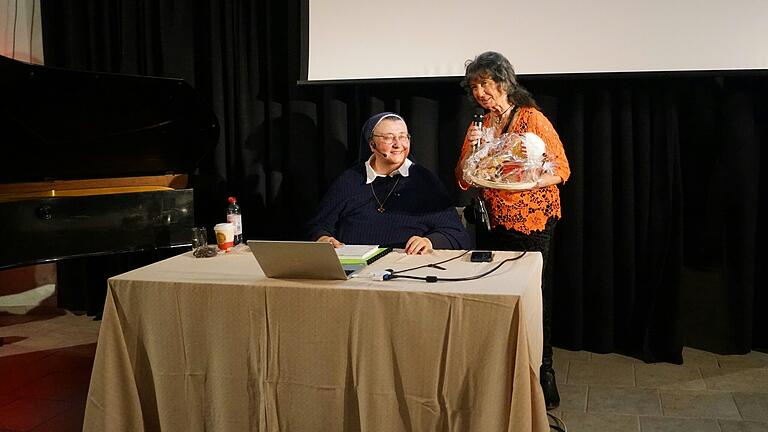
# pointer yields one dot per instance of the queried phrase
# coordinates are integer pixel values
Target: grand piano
(96, 164)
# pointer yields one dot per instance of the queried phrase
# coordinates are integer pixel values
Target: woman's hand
(418, 246)
(473, 134)
(547, 180)
(523, 151)
(331, 240)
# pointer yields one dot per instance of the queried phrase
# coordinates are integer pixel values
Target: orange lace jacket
(529, 210)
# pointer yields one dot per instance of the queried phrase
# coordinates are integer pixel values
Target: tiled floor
(46, 362)
(45, 368)
(709, 392)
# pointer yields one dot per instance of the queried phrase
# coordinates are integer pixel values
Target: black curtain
(659, 242)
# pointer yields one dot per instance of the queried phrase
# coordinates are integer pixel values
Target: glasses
(390, 138)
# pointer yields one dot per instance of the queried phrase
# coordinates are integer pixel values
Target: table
(211, 344)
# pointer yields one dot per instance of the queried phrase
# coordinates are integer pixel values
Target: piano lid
(59, 124)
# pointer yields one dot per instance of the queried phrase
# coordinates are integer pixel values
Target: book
(356, 251)
(378, 253)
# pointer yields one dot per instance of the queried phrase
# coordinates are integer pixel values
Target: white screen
(21, 37)
(357, 39)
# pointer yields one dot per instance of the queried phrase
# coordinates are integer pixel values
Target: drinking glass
(199, 238)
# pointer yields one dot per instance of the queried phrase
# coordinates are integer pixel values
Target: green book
(380, 252)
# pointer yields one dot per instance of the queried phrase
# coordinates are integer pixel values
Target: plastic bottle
(235, 218)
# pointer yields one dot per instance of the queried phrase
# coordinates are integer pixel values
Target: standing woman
(525, 219)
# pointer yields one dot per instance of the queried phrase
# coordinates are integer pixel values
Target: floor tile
(623, 400)
(7, 320)
(702, 404)
(583, 422)
(736, 380)
(561, 372)
(667, 376)
(673, 424)
(573, 397)
(693, 357)
(753, 359)
(50, 358)
(10, 362)
(70, 420)
(752, 406)
(47, 332)
(613, 357)
(564, 355)
(603, 373)
(26, 413)
(6, 399)
(63, 360)
(61, 386)
(84, 350)
(742, 426)
(16, 374)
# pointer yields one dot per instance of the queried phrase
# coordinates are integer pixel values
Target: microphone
(373, 146)
(477, 120)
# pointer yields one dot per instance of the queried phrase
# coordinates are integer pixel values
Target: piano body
(95, 163)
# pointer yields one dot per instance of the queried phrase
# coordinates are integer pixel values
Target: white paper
(356, 251)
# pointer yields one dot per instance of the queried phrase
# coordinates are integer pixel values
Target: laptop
(301, 260)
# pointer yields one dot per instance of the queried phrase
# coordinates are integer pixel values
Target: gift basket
(510, 162)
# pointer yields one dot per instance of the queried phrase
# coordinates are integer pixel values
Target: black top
(417, 205)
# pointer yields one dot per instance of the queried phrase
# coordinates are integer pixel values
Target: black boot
(549, 384)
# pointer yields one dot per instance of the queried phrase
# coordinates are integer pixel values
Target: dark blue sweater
(418, 206)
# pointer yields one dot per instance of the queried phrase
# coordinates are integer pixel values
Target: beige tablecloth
(212, 345)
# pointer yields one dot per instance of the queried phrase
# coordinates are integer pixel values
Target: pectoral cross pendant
(380, 209)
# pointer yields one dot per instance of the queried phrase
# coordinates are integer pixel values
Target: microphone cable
(392, 274)
(434, 265)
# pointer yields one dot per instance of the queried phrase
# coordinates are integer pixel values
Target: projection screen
(354, 39)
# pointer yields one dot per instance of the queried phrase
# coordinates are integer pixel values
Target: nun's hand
(331, 240)
(418, 246)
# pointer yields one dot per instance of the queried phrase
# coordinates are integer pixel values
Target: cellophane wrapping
(511, 161)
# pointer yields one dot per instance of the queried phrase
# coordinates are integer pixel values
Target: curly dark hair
(495, 66)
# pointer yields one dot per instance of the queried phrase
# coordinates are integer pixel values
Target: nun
(387, 199)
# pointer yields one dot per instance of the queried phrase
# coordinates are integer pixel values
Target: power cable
(396, 274)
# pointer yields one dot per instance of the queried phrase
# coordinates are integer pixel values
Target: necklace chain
(381, 203)
(501, 116)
